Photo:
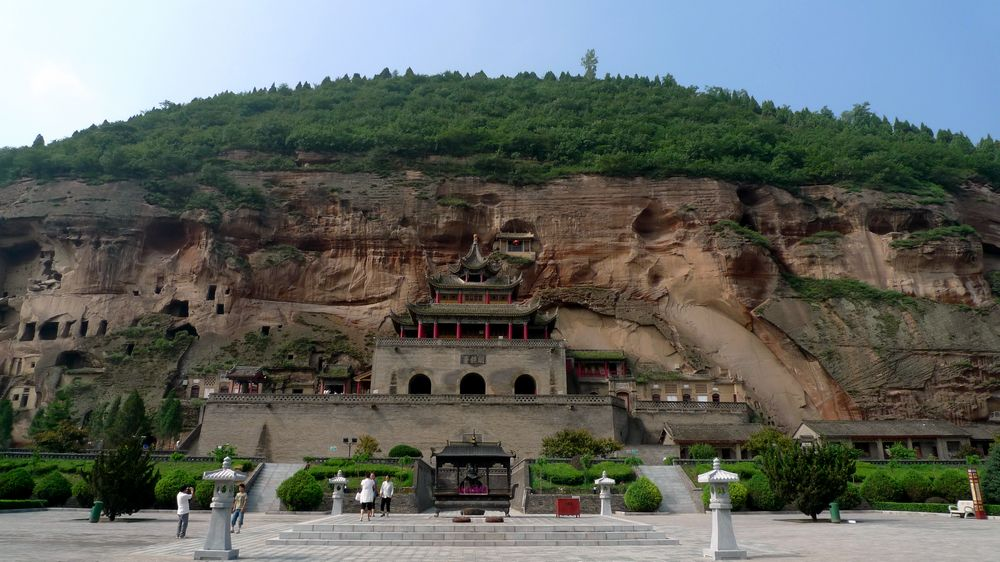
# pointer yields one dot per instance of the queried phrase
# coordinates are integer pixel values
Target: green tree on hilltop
(589, 64)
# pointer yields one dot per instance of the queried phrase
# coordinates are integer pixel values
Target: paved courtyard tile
(67, 535)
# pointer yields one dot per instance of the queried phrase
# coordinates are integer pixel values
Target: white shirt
(182, 503)
(386, 490)
(367, 490)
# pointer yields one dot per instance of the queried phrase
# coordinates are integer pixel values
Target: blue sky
(66, 65)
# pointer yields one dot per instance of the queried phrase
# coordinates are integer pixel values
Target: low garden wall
(589, 503)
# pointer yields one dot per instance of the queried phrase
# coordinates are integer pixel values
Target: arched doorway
(524, 384)
(472, 383)
(419, 384)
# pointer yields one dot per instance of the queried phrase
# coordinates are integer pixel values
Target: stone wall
(589, 503)
(648, 418)
(445, 362)
(301, 425)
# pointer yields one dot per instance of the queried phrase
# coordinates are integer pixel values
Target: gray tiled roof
(982, 431)
(884, 428)
(453, 309)
(712, 433)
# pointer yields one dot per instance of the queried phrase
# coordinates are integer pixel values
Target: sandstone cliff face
(634, 263)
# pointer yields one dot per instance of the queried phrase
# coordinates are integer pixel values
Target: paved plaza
(65, 534)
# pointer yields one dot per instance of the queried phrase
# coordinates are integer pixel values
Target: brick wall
(295, 429)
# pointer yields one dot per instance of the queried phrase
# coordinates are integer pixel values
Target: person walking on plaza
(368, 496)
(239, 508)
(183, 510)
(386, 493)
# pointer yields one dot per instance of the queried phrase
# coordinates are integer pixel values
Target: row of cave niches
(181, 308)
(54, 330)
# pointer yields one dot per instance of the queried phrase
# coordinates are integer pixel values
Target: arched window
(472, 383)
(524, 384)
(194, 391)
(687, 397)
(656, 398)
(715, 397)
(419, 384)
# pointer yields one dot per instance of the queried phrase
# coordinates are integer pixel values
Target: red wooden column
(420, 329)
(546, 332)
(487, 330)
(510, 298)
(510, 330)
(435, 329)
(487, 297)
(525, 330)
(400, 331)
(460, 297)
(437, 296)
(458, 330)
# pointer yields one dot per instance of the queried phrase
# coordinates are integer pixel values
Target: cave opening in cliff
(129, 348)
(72, 360)
(48, 331)
(84, 324)
(265, 330)
(211, 293)
(177, 308)
(67, 330)
(28, 333)
(102, 328)
(18, 265)
(187, 328)
(220, 308)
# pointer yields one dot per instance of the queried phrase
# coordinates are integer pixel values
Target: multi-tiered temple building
(473, 336)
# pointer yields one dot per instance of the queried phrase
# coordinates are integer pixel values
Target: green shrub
(761, 496)
(851, 498)
(991, 477)
(632, 461)
(916, 485)
(643, 495)
(952, 485)
(21, 504)
(203, 491)
(618, 471)
(220, 452)
(881, 487)
(301, 492)
(702, 451)
(738, 494)
(898, 451)
(16, 485)
(403, 450)
(918, 507)
(54, 489)
(561, 473)
(405, 461)
(169, 485)
(177, 456)
(570, 443)
(83, 493)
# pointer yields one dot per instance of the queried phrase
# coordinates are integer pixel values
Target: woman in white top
(368, 496)
(385, 492)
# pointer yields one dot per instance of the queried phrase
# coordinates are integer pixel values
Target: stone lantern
(339, 483)
(604, 484)
(218, 543)
(723, 546)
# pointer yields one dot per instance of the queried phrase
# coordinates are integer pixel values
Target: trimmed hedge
(760, 495)
(54, 489)
(620, 472)
(16, 485)
(643, 495)
(21, 504)
(203, 490)
(952, 485)
(404, 450)
(301, 492)
(561, 473)
(169, 485)
(881, 487)
(918, 487)
(851, 498)
(738, 494)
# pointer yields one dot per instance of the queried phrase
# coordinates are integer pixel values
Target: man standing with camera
(183, 510)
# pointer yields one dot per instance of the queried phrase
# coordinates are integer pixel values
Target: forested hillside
(517, 130)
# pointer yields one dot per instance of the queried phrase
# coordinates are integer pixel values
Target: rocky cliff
(687, 273)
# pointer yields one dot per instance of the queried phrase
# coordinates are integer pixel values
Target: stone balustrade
(557, 400)
(469, 343)
(734, 407)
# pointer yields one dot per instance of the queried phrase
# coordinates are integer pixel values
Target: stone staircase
(263, 494)
(422, 530)
(675, 486)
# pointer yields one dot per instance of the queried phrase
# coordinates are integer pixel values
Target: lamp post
(218, 542)
(605, 484)
(339, 483)
(723, 545)
(349, 441)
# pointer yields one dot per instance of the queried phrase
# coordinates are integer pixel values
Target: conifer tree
(124, 479)
(811, 477)
(589, 63)
(6, 423)
(169, 418)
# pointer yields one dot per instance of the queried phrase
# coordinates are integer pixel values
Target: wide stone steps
(445, 533)
(675, 487)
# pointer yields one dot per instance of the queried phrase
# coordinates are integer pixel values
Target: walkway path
(263, 494)
(675, 486)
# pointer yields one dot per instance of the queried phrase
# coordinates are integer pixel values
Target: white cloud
(55, 80)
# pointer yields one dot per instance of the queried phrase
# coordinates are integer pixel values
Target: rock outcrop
(634, 264)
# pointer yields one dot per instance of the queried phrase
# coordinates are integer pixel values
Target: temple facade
(473, 336)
